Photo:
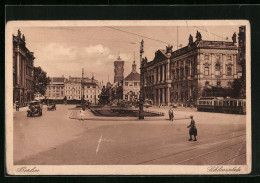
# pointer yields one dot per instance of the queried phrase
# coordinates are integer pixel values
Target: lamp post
(141, 105)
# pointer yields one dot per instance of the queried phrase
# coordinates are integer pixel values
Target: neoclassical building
(73, 89)
(179, 77)
(23, 63)
(55, 89)
(131, 85)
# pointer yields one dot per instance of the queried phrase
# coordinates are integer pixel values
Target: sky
(66, 50)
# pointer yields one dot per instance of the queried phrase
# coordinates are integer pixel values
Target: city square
(55, 139)
(130, 95)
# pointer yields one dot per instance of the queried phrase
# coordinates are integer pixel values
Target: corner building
(74, 86)
(179, 77)
(23, 63)
(55, 89)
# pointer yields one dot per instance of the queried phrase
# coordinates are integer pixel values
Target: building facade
(118, 70)
(74, 86)
(179, 77)
(242, 50)
(23, 63)
(55, 89)
(131, 85)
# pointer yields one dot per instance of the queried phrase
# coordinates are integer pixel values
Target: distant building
(118, 70)
(73, 89)
(131, 85)
(242, 50)
(23, 63)
(55, 89)
(180, 76)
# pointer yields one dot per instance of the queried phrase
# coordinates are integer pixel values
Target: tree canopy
(41, 80)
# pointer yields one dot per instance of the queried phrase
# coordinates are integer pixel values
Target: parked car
(34, 108)
(51, 107)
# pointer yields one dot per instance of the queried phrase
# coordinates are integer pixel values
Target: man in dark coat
(193, 129)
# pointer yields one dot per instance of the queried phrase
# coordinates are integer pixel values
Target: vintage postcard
(128, 97)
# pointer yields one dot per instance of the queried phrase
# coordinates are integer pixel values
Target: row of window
(135, 84)
(206, 57)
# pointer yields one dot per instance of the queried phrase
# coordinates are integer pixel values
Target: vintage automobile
(34, 108)
(51, 107)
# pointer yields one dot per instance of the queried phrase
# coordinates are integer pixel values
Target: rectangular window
(206, 83)
(206, 71)
(126, 83)
(135, 83)
(206, 57)
(229, 71)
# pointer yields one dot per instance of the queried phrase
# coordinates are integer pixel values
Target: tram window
(239, 103)
(231, 103)
(235, 103)
(244, 103)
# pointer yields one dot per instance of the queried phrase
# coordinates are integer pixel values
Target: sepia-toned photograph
(128, 97)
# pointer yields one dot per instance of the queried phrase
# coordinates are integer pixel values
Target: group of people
(192, 126)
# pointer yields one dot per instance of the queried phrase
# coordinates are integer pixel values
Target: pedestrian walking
(172, 115)
(193, 129)
(82, 115)
(17, 106)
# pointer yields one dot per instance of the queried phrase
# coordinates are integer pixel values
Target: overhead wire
(205, 30)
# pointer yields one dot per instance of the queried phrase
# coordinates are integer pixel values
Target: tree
(40, 80)
(238, 87)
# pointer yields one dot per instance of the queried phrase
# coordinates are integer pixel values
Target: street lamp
(141, 105)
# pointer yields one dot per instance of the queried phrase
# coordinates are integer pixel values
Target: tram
(227, 105)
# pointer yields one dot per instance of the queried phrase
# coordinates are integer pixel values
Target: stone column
(163, 96)
(17, 68)
(224, 57)
(159, 96)
(159, 75)
(235, 65)
(163, 70)
(168, 70)
(168, 96)
(212, 66)
(200, 66)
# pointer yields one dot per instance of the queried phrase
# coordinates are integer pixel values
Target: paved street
(55, 139)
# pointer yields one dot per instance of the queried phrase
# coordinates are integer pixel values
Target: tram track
(137, 153)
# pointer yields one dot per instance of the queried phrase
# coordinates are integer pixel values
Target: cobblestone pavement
(55, 139)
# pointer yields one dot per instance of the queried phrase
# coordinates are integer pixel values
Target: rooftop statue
(198, 36)
(234, 38)
(190, 39)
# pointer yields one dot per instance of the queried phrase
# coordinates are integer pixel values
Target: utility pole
(82, 90)
(141, 105)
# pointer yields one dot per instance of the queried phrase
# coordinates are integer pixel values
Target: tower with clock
(118, 70)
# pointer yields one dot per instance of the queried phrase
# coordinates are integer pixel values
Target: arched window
(229, 70)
